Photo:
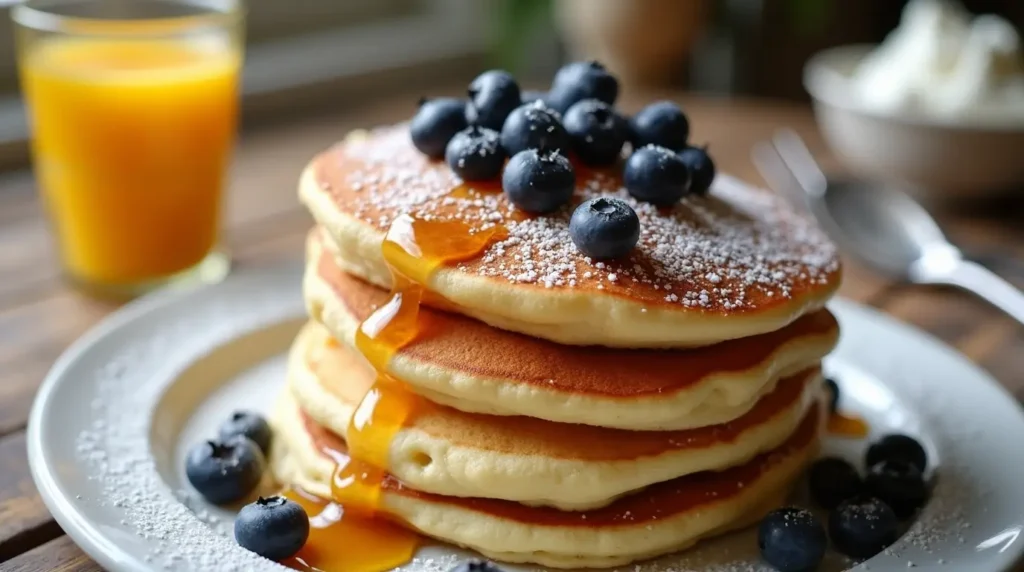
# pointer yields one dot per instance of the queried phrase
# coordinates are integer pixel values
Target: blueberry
(832, 480)
(792, 540)
(604, 228)
(538, 182)
(702, 169)
(476, 565)
(534, 126)
(596, 132)
(225, 472)
(274, 527)
(656, 175)
(492, 96)
(475, 154)
(530, 96)
(247, 424)
(900, 447)
(899, 484)
(582, 80)
(832, 388)
(862, 527)
(660, 123)
(436, 122)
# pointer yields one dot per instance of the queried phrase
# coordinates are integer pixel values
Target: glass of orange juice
(133, 108)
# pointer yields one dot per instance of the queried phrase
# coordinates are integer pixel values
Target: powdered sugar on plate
(117, 444)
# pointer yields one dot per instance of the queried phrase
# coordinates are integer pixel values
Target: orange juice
(132, 140)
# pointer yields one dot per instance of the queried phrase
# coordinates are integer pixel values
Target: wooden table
(40, 315)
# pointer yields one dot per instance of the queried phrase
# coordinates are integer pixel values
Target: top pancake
(733, 264)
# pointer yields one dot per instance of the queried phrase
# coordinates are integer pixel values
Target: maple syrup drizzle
(413, 248)
(345, 536)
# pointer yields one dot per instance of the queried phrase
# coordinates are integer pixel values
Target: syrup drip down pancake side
(663, 518)
(468, 365)
(736, 263)
(450, 452)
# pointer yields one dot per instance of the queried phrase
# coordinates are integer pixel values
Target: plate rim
(61, 507)
(91, 539)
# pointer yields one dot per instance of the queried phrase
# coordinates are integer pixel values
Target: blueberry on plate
(899, 484)
(656, 175)
(476, 565)
(660, 123)
(832, 480)
(791, 540)
(862, 527)
(538, 181)
(273, 527)
(247, 424)
(492, 96)
(604, 228)
(832, 389)
(225, 472)
(436, 122)
(596, 132)
(582, 80)
(896, 446)
(532, 95)
(702, 169)
(475, 154)
(534, 126)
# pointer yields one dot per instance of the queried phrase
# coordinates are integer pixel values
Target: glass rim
(38, 15)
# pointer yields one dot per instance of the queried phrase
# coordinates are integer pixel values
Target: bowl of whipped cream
(937, 107)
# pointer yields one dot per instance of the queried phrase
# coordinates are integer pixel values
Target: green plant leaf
(516, 21)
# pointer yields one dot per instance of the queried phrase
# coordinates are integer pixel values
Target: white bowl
(936, 156)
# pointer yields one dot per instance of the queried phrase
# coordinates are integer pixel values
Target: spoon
(882, 226)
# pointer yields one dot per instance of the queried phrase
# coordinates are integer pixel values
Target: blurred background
(306, 54)
(317, 69)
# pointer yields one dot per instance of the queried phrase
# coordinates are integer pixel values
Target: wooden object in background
(643, 42)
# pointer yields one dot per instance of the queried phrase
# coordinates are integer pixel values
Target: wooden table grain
(40, 314)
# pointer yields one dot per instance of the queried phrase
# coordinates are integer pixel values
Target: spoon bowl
(882, 226)
(885, 228)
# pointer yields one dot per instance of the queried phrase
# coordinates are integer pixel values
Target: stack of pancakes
(567, 412)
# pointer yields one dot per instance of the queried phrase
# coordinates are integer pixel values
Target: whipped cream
(940, 62)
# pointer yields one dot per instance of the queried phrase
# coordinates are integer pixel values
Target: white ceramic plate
(111, 423)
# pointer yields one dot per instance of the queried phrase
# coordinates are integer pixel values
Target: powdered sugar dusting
(944, 521)
(736, 250)
(117, 445)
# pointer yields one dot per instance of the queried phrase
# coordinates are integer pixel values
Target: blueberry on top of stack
(539, 132)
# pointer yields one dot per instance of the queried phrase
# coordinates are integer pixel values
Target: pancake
(463, 363)
(660, 519)
(445, 451)
(733, 264)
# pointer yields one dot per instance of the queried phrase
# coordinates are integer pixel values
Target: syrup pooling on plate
(847, 426)
(334, 533)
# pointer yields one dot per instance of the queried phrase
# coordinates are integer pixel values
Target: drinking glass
(133, 108)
